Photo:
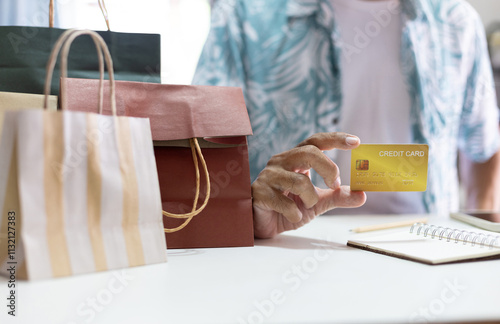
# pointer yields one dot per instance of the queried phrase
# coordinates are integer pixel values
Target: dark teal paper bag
(24, 52)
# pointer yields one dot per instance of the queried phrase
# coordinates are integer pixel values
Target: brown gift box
(218, 117)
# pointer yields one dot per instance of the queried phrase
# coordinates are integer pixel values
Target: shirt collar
(413, 9)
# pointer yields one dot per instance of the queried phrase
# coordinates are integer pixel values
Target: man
(413, 71)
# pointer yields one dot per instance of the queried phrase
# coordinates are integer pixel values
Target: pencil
(377, 227)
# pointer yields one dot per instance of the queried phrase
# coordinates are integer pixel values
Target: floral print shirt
(285, 55)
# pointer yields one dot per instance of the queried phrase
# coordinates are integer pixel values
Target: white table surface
(305, 276)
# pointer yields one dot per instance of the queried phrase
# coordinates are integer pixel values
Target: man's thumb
(342, 197)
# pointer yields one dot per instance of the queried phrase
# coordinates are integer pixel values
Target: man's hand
(284, 197)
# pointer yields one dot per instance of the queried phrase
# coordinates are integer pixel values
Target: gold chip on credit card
(389, 167)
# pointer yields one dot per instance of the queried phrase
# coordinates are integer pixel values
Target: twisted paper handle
(104, 11)
(51, 13)
(196, 151)
(64, 42)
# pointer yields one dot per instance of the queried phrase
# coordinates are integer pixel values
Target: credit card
(389, 167)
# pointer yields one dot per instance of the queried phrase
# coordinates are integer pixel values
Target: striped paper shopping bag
(79, 192)
(19, 101)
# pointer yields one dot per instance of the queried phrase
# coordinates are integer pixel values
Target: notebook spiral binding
(457, 235)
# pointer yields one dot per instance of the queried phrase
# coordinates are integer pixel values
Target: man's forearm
(481, 182)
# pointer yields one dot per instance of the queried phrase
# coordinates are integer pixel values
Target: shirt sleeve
(479, 136)
(221, 61)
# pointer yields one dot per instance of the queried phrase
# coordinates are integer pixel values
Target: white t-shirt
(375, 99)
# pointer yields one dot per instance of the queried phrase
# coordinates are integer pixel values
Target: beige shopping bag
(79, 192)
(19, 101)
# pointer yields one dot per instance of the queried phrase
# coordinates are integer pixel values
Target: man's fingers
(304, 158)
(286, 172)
(286, 181)
(330, 141)
(269, 198)
(309, 155)
(343, 197)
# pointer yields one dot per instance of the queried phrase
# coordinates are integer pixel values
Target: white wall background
(489, 10)
(183, 24)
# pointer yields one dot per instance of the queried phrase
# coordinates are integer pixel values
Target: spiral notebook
(432, 244)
